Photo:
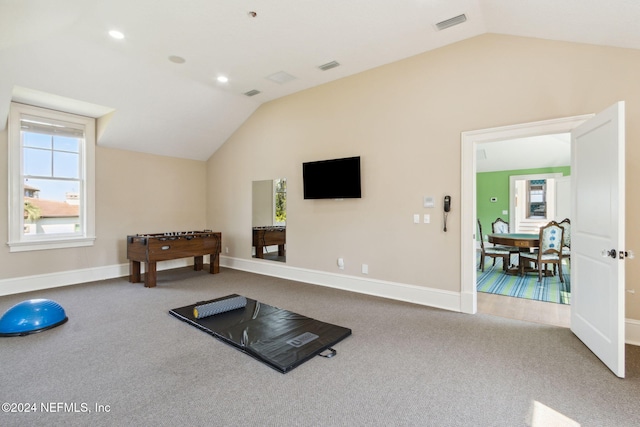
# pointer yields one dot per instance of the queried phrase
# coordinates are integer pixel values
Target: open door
(597, 235)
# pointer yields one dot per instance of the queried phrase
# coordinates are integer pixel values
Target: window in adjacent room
(280, 189)
(51, 179)
(537, 198)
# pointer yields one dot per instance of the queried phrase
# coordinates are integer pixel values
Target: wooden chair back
(566, 224)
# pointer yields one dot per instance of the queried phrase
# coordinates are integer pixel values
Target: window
(537, 198)
(533, 201)
(51, 179)
(280, 198)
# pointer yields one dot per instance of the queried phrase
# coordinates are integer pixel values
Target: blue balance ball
(31, 316)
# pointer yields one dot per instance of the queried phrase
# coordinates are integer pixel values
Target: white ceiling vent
(451, 22)
(329, 65)
(252, 92)
(281, 77)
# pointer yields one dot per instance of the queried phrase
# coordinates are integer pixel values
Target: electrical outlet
(365, 269)
(226, 249)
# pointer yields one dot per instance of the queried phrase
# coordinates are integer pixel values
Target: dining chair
(566, 241)
(493, 252)
(549, 252)
(500, 226)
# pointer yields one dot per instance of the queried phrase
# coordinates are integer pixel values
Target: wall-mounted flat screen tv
(332, 179)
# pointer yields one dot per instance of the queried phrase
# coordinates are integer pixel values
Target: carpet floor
(131, 363)
(550, 289)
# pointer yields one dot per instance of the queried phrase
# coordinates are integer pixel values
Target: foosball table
(151, 248)
(269, 236)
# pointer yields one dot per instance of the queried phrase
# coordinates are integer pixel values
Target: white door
(598, 226)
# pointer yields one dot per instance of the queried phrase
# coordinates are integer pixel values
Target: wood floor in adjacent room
(525, 309)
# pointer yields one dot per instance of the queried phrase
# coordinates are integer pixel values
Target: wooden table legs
(150, 275)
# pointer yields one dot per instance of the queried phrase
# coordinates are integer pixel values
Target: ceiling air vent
(281, 77)
(329, 65)
(451, 22)
(252, 92)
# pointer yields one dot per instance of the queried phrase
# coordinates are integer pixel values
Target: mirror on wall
(269, 219)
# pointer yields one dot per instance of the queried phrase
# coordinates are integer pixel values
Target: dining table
(519, 240)
(522, 241)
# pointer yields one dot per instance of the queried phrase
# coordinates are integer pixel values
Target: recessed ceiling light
(177, 59)
(116, 34)
(223, 79)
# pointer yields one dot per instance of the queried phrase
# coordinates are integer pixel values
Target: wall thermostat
(429, 202)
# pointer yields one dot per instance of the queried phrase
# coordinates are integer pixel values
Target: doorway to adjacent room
(520, 193)
(472, 301)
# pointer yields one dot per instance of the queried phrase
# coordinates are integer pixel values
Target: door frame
(469, 140)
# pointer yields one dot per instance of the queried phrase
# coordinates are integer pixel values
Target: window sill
(50, 244)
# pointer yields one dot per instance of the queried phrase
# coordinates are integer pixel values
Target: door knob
(613, 254)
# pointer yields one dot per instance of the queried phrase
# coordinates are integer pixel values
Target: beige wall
(135, 193)
(405, 119)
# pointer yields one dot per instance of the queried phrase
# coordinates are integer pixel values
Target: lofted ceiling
(57, 53)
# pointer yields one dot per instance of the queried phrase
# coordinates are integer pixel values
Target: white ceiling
(524, 153)
(62, 48)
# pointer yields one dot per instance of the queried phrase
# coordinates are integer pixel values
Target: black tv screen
(332, 179)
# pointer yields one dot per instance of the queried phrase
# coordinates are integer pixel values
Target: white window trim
(17, 242)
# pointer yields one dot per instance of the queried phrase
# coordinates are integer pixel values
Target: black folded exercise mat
(279, 338)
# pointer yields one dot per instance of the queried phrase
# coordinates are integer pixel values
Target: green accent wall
(496, 184)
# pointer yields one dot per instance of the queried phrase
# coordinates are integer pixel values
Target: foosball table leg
(214, 263)
(134, 271)
(150, 275)
(198, 263)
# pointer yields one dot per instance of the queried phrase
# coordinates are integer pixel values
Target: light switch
(427, 218)
(416, 218)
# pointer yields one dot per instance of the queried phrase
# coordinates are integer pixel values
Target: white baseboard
(447, 300)
(38, 282)
(399, 291)
(632, 331)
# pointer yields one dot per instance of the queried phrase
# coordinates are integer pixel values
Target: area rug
(549, 289)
